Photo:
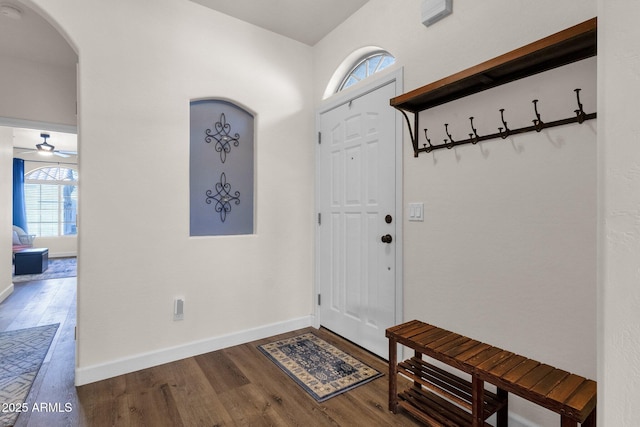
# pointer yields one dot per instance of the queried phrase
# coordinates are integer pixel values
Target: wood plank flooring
(237, 386)
(40, 303)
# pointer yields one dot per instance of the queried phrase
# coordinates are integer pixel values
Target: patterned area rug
(58, 267)
(321, 369)
(21, 354)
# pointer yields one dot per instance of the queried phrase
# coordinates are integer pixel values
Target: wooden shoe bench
(440, 398)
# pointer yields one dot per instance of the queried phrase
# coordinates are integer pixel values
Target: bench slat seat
(439, 394)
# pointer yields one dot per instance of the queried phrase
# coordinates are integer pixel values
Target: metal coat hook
(474, 137)
(446, 129)
(537, 122)
(504, 131)
(504, 134)
(428, 149)
(579, 112)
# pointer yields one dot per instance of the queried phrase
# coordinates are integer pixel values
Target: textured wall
(6, 212)
(619, 185)
(140, 64)
(37, 92)
(507, 251)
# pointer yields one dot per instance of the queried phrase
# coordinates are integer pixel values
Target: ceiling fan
(47, 149)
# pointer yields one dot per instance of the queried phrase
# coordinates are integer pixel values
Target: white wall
(507, 252)
(619, 185)
(59, 247)
(38, 92)
(6, 211)
(140, 63)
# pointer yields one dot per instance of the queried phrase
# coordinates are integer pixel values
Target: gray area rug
(58, 267)
(21, 355)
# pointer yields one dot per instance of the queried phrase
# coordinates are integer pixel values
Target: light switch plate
(416, 211)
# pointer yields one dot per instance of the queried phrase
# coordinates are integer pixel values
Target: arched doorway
(39, 82)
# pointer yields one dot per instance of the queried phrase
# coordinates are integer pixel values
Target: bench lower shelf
(433, 410)
(440, 398)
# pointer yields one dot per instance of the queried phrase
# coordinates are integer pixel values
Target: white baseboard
(90, 374)
(5, 293)
(63, 254)
(515, 420)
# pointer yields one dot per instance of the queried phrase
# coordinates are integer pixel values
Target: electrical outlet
(178, 309)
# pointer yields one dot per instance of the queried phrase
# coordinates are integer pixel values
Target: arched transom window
(366, 67)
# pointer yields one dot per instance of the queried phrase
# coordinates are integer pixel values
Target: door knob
(387, 238)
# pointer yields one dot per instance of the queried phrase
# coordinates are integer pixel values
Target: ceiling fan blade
(59, 154)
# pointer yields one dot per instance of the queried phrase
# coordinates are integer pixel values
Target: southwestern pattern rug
(318, 367)
(21, 355)
(58, 268)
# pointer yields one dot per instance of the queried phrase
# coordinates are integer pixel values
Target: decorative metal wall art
(221, 169)
(223, 197)
(223, 137)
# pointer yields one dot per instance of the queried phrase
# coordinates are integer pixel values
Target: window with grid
(51, 197)
(366, 67)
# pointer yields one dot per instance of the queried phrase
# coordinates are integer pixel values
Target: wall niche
(221, 169)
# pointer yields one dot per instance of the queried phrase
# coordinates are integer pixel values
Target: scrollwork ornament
(221, 134)
(223, 197)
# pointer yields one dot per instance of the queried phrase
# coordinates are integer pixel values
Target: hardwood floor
(42, 303)
(237, 386)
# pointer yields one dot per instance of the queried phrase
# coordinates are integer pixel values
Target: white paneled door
(357, 221)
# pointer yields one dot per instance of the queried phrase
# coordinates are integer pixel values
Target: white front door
(356, 269)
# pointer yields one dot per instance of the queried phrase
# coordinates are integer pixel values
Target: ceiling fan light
(45, 148)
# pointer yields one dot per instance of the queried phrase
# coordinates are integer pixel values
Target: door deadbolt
(388, 219)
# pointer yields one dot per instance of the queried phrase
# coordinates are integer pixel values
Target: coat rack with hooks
(504, 132)
(562, 48)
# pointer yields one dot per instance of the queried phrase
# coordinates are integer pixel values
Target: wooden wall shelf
(562, 48)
